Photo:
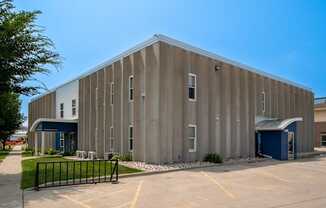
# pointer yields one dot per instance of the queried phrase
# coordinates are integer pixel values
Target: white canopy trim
(276, 124)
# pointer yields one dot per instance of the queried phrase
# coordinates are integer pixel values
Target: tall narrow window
(131, 137)
(61, 110)
(192, 84)
(62, 142)
(192, 137)
(112, 92)
(131, 88)
(111, 139)
(73, 107)
(263, 103)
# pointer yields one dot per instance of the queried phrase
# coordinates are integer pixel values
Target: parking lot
(268, 184)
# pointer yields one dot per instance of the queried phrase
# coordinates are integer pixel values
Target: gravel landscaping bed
(175, 166)
(146, 167)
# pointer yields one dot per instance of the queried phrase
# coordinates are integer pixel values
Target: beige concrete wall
(43, 107)
(228, 101)
(97, 115)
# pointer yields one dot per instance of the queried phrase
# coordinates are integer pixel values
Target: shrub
(51, 151)
(28, 149)
(125, 157)
(28, 153)
(213, 158)
(115, 157)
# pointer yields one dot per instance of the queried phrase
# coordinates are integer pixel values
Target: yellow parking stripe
(228, 193)
(134, 201)
(75, 201)
(273, 176)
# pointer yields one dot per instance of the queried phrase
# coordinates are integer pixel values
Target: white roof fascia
(180, 44)
(134, 49)
(225, 60)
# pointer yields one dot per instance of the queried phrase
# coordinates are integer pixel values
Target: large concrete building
(320, 122)
(164, 100)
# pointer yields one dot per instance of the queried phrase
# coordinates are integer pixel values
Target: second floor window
(131, 88)
(192, 85)
(112, 92)
(61, 110)
(73, 107)
(263, 102)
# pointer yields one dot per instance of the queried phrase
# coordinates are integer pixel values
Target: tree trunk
(3, 145)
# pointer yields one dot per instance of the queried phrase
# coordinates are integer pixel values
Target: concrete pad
(267, 184)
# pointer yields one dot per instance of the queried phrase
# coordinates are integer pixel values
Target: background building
(320, 121)
(164, 100)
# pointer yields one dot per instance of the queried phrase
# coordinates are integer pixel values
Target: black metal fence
(64, 173)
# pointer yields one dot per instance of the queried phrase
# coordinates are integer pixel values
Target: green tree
(24, 50)
(10, 117)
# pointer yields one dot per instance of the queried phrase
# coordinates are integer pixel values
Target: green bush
(51, 151)
(115, 157)
(125, 157)
(28, 153)
(213, 158)
(28, 149)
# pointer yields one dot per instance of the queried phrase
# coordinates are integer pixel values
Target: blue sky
(282, 37)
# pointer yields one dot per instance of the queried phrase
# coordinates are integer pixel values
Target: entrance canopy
(54, 125)
(276, 124)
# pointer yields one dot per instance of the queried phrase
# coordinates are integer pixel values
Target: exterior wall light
(218, 67)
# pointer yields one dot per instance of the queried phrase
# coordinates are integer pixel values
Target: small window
(112, 93)
(192, 84)
(192, 137)
(111, 139)
(131, 88)
(73, 107)
(131, 137)
(263, 103)
(61, 110)
(323, 139)
(62, 142)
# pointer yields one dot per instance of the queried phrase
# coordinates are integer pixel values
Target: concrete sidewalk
(10, 175)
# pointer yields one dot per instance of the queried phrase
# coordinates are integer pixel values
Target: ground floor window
(131, 137)
(192, 137)
(111, 142)
(323, 139)
(62, 142)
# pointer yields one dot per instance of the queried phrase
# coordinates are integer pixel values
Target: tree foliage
(10, 117)
(24, 50)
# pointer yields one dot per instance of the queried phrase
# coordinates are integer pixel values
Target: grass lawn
(3, 154)
(29, 168)
(27, 153)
